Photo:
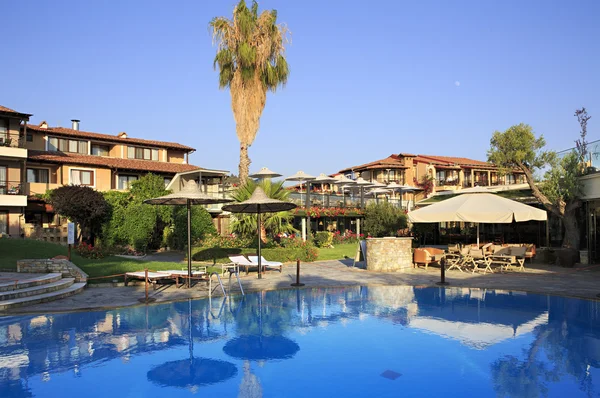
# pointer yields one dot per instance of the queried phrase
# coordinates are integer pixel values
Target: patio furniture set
(487, 257)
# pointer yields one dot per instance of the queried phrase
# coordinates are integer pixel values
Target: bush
(215, 254)
(88, 251)
(323, 239)
(384, 219)
(201, 225)
(225, 241)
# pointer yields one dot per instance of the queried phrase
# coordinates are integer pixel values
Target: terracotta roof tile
(113, 163)
(63, 131)
(4, 109)
(392, 160)
(449, 160)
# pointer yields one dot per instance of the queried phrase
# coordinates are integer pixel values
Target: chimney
(122, 134)
(75, 124)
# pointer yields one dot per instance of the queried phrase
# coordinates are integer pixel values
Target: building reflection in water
(255, 329)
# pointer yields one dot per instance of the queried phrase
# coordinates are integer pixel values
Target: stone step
(6, 286)
(37, 290)
(42, 298)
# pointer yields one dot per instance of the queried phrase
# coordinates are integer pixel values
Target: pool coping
(315, 274)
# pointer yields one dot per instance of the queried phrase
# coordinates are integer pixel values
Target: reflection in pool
(360, 341)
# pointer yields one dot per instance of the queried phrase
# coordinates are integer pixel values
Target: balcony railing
(11, 188)
(333, 200)
(11, 140)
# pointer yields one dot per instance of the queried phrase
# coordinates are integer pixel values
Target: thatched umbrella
(259, 203)
(264, 173)
(188, 196)
(301, 177)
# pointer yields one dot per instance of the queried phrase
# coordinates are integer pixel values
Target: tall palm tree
(250, 58)
(272, 223)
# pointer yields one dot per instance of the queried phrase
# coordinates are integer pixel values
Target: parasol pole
(259, 239)
(189, 242)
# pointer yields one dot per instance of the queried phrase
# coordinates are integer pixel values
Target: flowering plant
(318, 212)
(88, 251)
(346, 237)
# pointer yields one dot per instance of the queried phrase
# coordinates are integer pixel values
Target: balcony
(12, 146)
(12, 194)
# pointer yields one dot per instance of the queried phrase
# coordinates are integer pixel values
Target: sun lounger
(153, 277)
(266, 263)
(241, 261)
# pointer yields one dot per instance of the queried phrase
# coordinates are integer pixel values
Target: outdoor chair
(266, 263)
(426, 256)
(460, 260)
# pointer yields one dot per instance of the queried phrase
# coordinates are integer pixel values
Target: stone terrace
(544, 279)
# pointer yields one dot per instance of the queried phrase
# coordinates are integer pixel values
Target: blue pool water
(360, 341)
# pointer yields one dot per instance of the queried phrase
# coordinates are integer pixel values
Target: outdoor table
(506, 261)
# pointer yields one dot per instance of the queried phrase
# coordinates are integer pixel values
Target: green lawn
(12, 250)
(338, 252)
(17, 249)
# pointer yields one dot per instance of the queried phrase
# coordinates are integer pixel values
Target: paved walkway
(538, 278)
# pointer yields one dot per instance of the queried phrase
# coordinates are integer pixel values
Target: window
(125, 181)
(38, 175)
(142, 153)
(29, 137)
(82, 177)
(3, 126)
(100, 150)
(64, 145)
(167, 181)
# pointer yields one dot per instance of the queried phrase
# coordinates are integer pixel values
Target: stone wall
(62, 266)
(389, 254)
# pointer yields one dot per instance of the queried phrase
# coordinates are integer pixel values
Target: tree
(82, 205)
(201, 225)
(518, 148)
(250, 58)
(273, 223)
(383, 219)
(134, 223)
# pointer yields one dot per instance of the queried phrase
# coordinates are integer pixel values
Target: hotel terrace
(38, 158)
(448, 173)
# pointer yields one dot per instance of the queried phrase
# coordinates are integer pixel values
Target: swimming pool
(360, 341)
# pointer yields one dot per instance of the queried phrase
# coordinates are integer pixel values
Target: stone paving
(583, 282)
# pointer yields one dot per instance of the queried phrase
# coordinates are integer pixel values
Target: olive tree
(518, 148)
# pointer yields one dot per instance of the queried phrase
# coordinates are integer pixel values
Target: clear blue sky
(368, 78)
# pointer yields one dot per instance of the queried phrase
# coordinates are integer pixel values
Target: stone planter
(389, 254)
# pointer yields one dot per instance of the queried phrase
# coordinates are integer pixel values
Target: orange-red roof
(390, 161)
(63, 131)
(106, 162)
(4, 109)
(450, 160)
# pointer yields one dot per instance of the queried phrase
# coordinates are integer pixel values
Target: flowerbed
(88, 251)
(318, 212)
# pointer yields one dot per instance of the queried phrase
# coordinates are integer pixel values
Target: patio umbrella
(301, 176)
(409, 188)
(478, 208)
(362, 183)
(264, 173)
(259, 203)
(324, 179)
(188, 196)
(343, 181)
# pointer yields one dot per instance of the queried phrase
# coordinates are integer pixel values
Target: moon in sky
(457, 83)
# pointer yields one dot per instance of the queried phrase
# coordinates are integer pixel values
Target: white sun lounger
(152, 276)
(266, 263)
(240, 261)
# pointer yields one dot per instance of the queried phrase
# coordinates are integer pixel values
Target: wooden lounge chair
(153, 277)
(266, 263)
(426, 256)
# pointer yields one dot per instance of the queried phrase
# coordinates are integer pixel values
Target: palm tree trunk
(244, 167)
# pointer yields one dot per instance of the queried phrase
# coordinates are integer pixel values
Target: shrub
(384, 219)
(225, 241)
(323, 239)
(304, 251)
(201, 225)
(215, 254)
(88, 251)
